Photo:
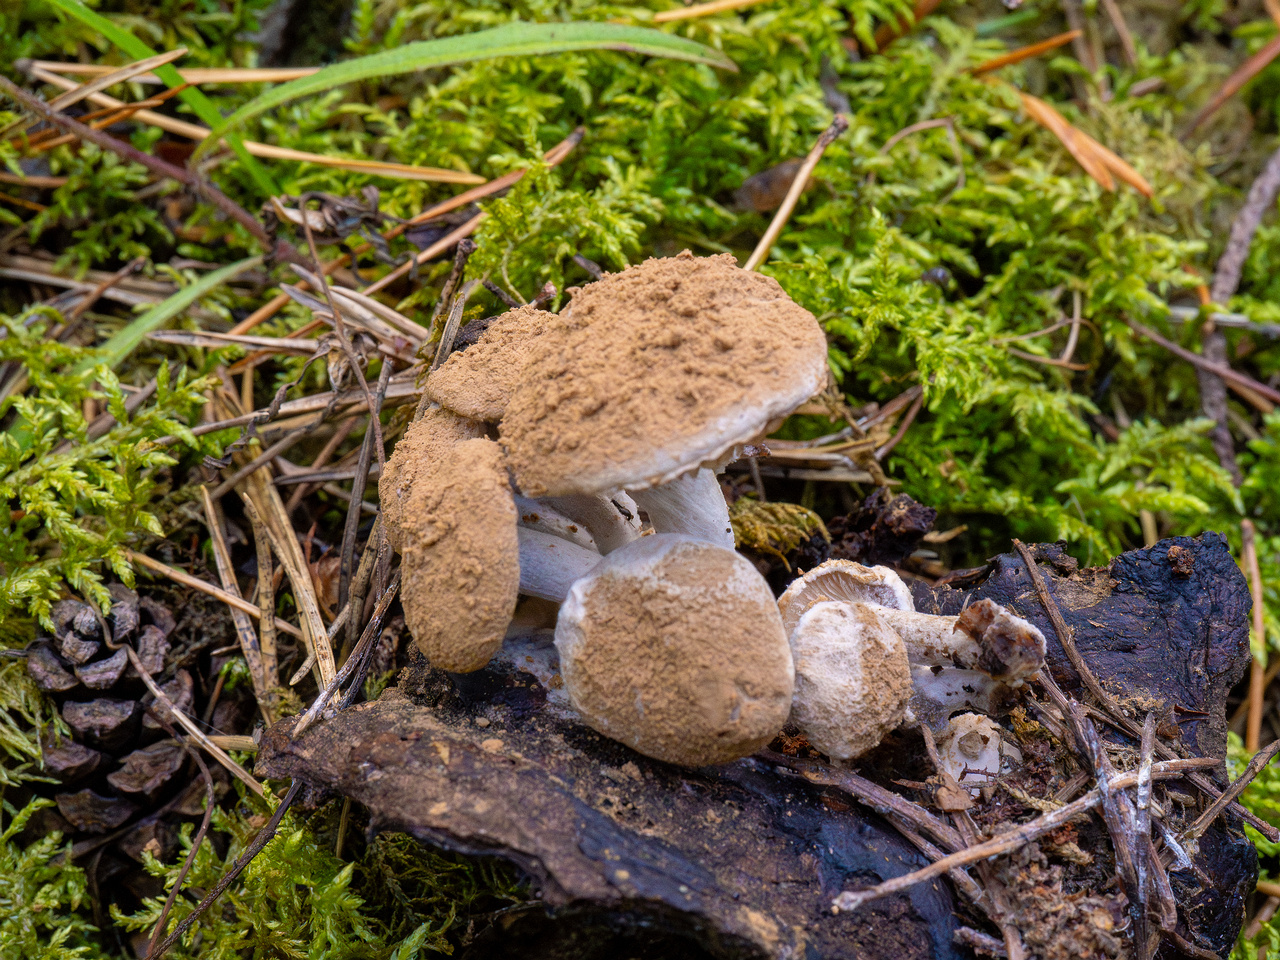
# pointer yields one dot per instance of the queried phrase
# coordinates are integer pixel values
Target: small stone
(180, 690)
(482, 722)
(47, 670)
(103, 674)
(75, 649)
(109, 724)
(492, 745)
(93, 813)
(69, 761)
(145, 771)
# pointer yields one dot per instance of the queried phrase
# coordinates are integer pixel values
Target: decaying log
(742, 860)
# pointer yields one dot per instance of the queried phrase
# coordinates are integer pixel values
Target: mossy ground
(942, 259)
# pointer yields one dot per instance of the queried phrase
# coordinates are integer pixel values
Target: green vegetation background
(1005, 444)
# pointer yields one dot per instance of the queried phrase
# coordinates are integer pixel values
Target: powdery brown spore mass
(461, 557)
(656, 370)
(675, 648)
(479, 381)
(425, 444)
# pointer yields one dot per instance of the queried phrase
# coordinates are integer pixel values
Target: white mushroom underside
(549, 565)
(692, 505)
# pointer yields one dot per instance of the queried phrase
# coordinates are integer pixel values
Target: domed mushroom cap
(853, 681)
(656, 371)
(974, 750)
(478, 382)
(843, 580)
(674, 647)
(461, 557)
(426, 442)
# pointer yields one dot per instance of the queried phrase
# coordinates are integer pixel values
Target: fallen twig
(1231, 376)
(1257, 669)
(1260, 760)
(1017, 838)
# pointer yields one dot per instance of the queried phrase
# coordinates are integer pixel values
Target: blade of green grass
(117, 349)
(509, 40)
(192, 96)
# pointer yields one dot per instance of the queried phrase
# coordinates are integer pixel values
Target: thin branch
(1260, 760)
(902, 428)
(1016, 838)
(1232, 377)
(261, 840)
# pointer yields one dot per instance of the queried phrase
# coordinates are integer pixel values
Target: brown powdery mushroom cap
(853, 681)
(656, 371)
(673, 646)
(461, 557)
(425, 443)
(478, 382)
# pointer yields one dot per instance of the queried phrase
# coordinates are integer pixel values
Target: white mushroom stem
(540, 515)
(602, 517)
(984, 637)
(692, 505)
(939, 692)
(549, 565)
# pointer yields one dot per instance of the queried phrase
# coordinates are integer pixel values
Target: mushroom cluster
(539, 449)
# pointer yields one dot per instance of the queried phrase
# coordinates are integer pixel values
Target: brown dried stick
(1238, 381)
(1257, 670)
(1260, 760)
(1014, 839)
(838, 126)
(189, 725)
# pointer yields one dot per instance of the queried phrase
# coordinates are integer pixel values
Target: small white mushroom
(974, 751)
(843, 580)
(853, 681)
(673, 646)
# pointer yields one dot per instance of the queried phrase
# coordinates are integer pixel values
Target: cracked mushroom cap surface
(673, 646)
(425, 443)
(853, 681)
(478, 382)
(461, 558)
(656, 371)
(843, 580)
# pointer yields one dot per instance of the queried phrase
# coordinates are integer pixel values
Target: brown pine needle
(1257, 672)
(1024, 53)
(1071, 138)
(179, 576)
(1243, 74)
(702, 10)
(838, 126)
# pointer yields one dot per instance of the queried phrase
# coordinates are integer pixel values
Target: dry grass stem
(702, 10)
(191, 75)
(1257, 669)
(1024, 53)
